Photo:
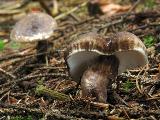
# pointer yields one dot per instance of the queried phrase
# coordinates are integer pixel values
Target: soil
(36, 90)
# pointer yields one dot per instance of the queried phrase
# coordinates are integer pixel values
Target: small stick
(101, 105)
(132, 8)
(11, 109)
(145, 26)
(55, 7)
(120, 99)
(31, 77)
(54, 94)
(137, 85)
(71, 11)
(75, 17)
(7, 73)
(125, 112)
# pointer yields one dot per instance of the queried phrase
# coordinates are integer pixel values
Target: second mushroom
(36, 27)
(95, 61)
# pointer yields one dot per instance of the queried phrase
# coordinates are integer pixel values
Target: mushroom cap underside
(35, 26)
(127, 47)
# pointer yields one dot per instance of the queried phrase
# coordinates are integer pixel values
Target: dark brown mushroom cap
(88, 42)
(35, 26)
(83, 52)
(127, 47)
(130, 51)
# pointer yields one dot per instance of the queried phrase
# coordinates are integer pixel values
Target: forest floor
(32, 90)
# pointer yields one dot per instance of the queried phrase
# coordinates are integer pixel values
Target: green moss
(22, 118)
(149, 40)
(127, 86)
(14, 45)
(149, 3)
(146, 4)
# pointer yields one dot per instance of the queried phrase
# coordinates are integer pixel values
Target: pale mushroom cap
(35, 26)
(127, 47)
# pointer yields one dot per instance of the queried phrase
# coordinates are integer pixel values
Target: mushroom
(35, 27)
(95, 61)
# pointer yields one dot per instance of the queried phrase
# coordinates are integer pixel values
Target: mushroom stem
(96, 78)
(42, 48)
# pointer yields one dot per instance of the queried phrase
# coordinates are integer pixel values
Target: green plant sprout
(149, 40)
(127, 86)
(1, 45)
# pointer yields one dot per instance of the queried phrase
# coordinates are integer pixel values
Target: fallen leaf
(107, 7)
(111, 9)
